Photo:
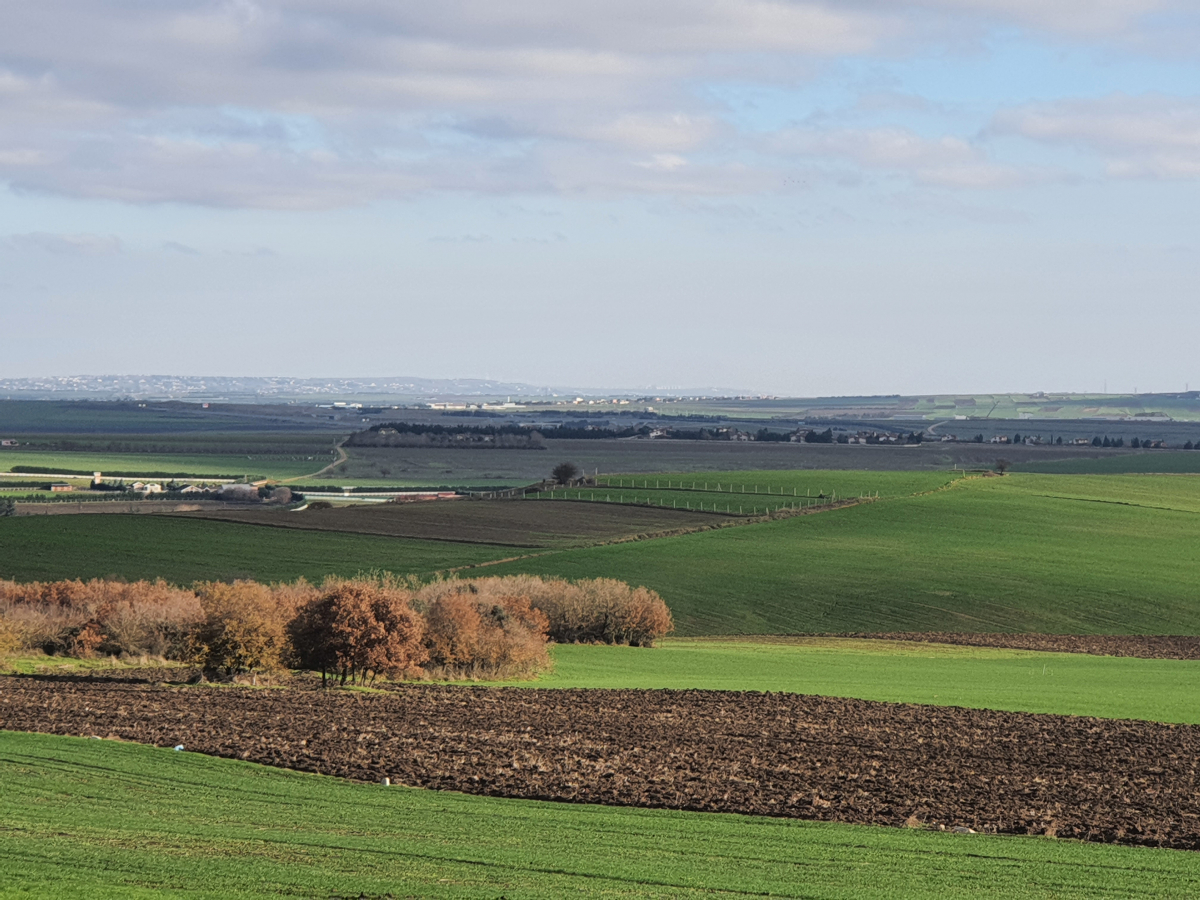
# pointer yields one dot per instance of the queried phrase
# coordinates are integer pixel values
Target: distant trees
(8, 507)
(565, 473)
(1002, 465)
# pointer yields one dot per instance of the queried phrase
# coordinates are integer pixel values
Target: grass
(1036, 553)
(980, 678)
(104, 819)
(197, 465)
(754, 492)
(185, 550)
(1183, 462)
(787, 485)
(994, 554)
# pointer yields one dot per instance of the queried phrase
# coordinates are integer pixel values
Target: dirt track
(773, 754)
(1166, 646)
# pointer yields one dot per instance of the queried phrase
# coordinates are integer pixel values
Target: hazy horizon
(787, 196)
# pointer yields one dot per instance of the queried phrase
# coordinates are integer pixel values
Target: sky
(777, 196)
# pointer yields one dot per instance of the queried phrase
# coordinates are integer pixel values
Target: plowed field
(1148, 646)
(774, 754)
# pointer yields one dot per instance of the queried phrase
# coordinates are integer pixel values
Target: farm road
(767, 754)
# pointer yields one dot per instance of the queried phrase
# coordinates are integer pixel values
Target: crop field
(106, 819)
(1076, 684)
(1034, 553)
(164, 464)
(988, 554)
(185, 550)
(751, 493)
(433, 466)
(508, 522)
(1167, 461)
(786, 755)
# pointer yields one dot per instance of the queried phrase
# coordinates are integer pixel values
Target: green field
(1182, 462)
(187, 550)
(105, 819)
(1036, 553)
(195, 465)
(750, 493)
(1063, 683)
(989, 554)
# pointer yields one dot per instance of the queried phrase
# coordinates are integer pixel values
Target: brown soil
(1165, 646)
(770, 754)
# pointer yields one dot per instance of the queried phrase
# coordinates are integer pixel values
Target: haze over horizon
(787, 196)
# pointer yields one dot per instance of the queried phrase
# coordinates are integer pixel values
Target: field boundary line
(1116, 503)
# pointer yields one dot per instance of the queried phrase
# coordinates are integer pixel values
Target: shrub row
(354, 630)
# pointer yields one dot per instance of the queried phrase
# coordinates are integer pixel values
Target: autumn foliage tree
(474, 635)
(244, 629)
(598, 610)
(359, 630)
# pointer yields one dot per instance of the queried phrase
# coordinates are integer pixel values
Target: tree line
(352, 631)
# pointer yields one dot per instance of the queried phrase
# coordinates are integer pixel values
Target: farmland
(1036, 553)
(982, 678)
(506, 522)
(993, 554)
(107, 819)
(182, 550)
(786, 755)
(192, 465)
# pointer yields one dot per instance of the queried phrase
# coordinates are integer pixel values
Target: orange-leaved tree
(359, 630)
(244, 628)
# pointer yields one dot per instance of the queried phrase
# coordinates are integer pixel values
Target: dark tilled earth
(1153, 646)
(771, 754)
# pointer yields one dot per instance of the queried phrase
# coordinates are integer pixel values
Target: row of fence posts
(579, 494)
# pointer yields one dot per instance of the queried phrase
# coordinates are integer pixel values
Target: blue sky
(780, 195)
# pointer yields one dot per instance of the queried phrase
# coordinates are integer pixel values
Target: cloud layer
(298, 104)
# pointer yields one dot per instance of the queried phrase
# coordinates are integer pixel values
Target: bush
(110, 617)
(244, 629)
(10, 639)
(359, 630)
(600, 610)
(474, 635)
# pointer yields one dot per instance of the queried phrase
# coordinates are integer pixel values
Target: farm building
(59, 486)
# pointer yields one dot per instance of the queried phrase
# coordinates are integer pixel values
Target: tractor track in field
(764, 754)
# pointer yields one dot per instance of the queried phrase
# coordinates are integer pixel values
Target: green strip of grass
(981, 678)
(102, 819)
(186, 550)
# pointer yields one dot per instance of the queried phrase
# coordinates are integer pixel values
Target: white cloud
(945, 161)
(1143, 136)
(320, 103)
(67, 244)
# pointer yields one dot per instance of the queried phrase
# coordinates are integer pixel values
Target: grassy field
(994, 554)
(1038, 553)
(1182, 461)
(103, 819)
(185, 550)
(750, 493)
(1064, 683)
(195, 465)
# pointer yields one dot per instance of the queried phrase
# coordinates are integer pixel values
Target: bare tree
(565, 472)
(1002, 465)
